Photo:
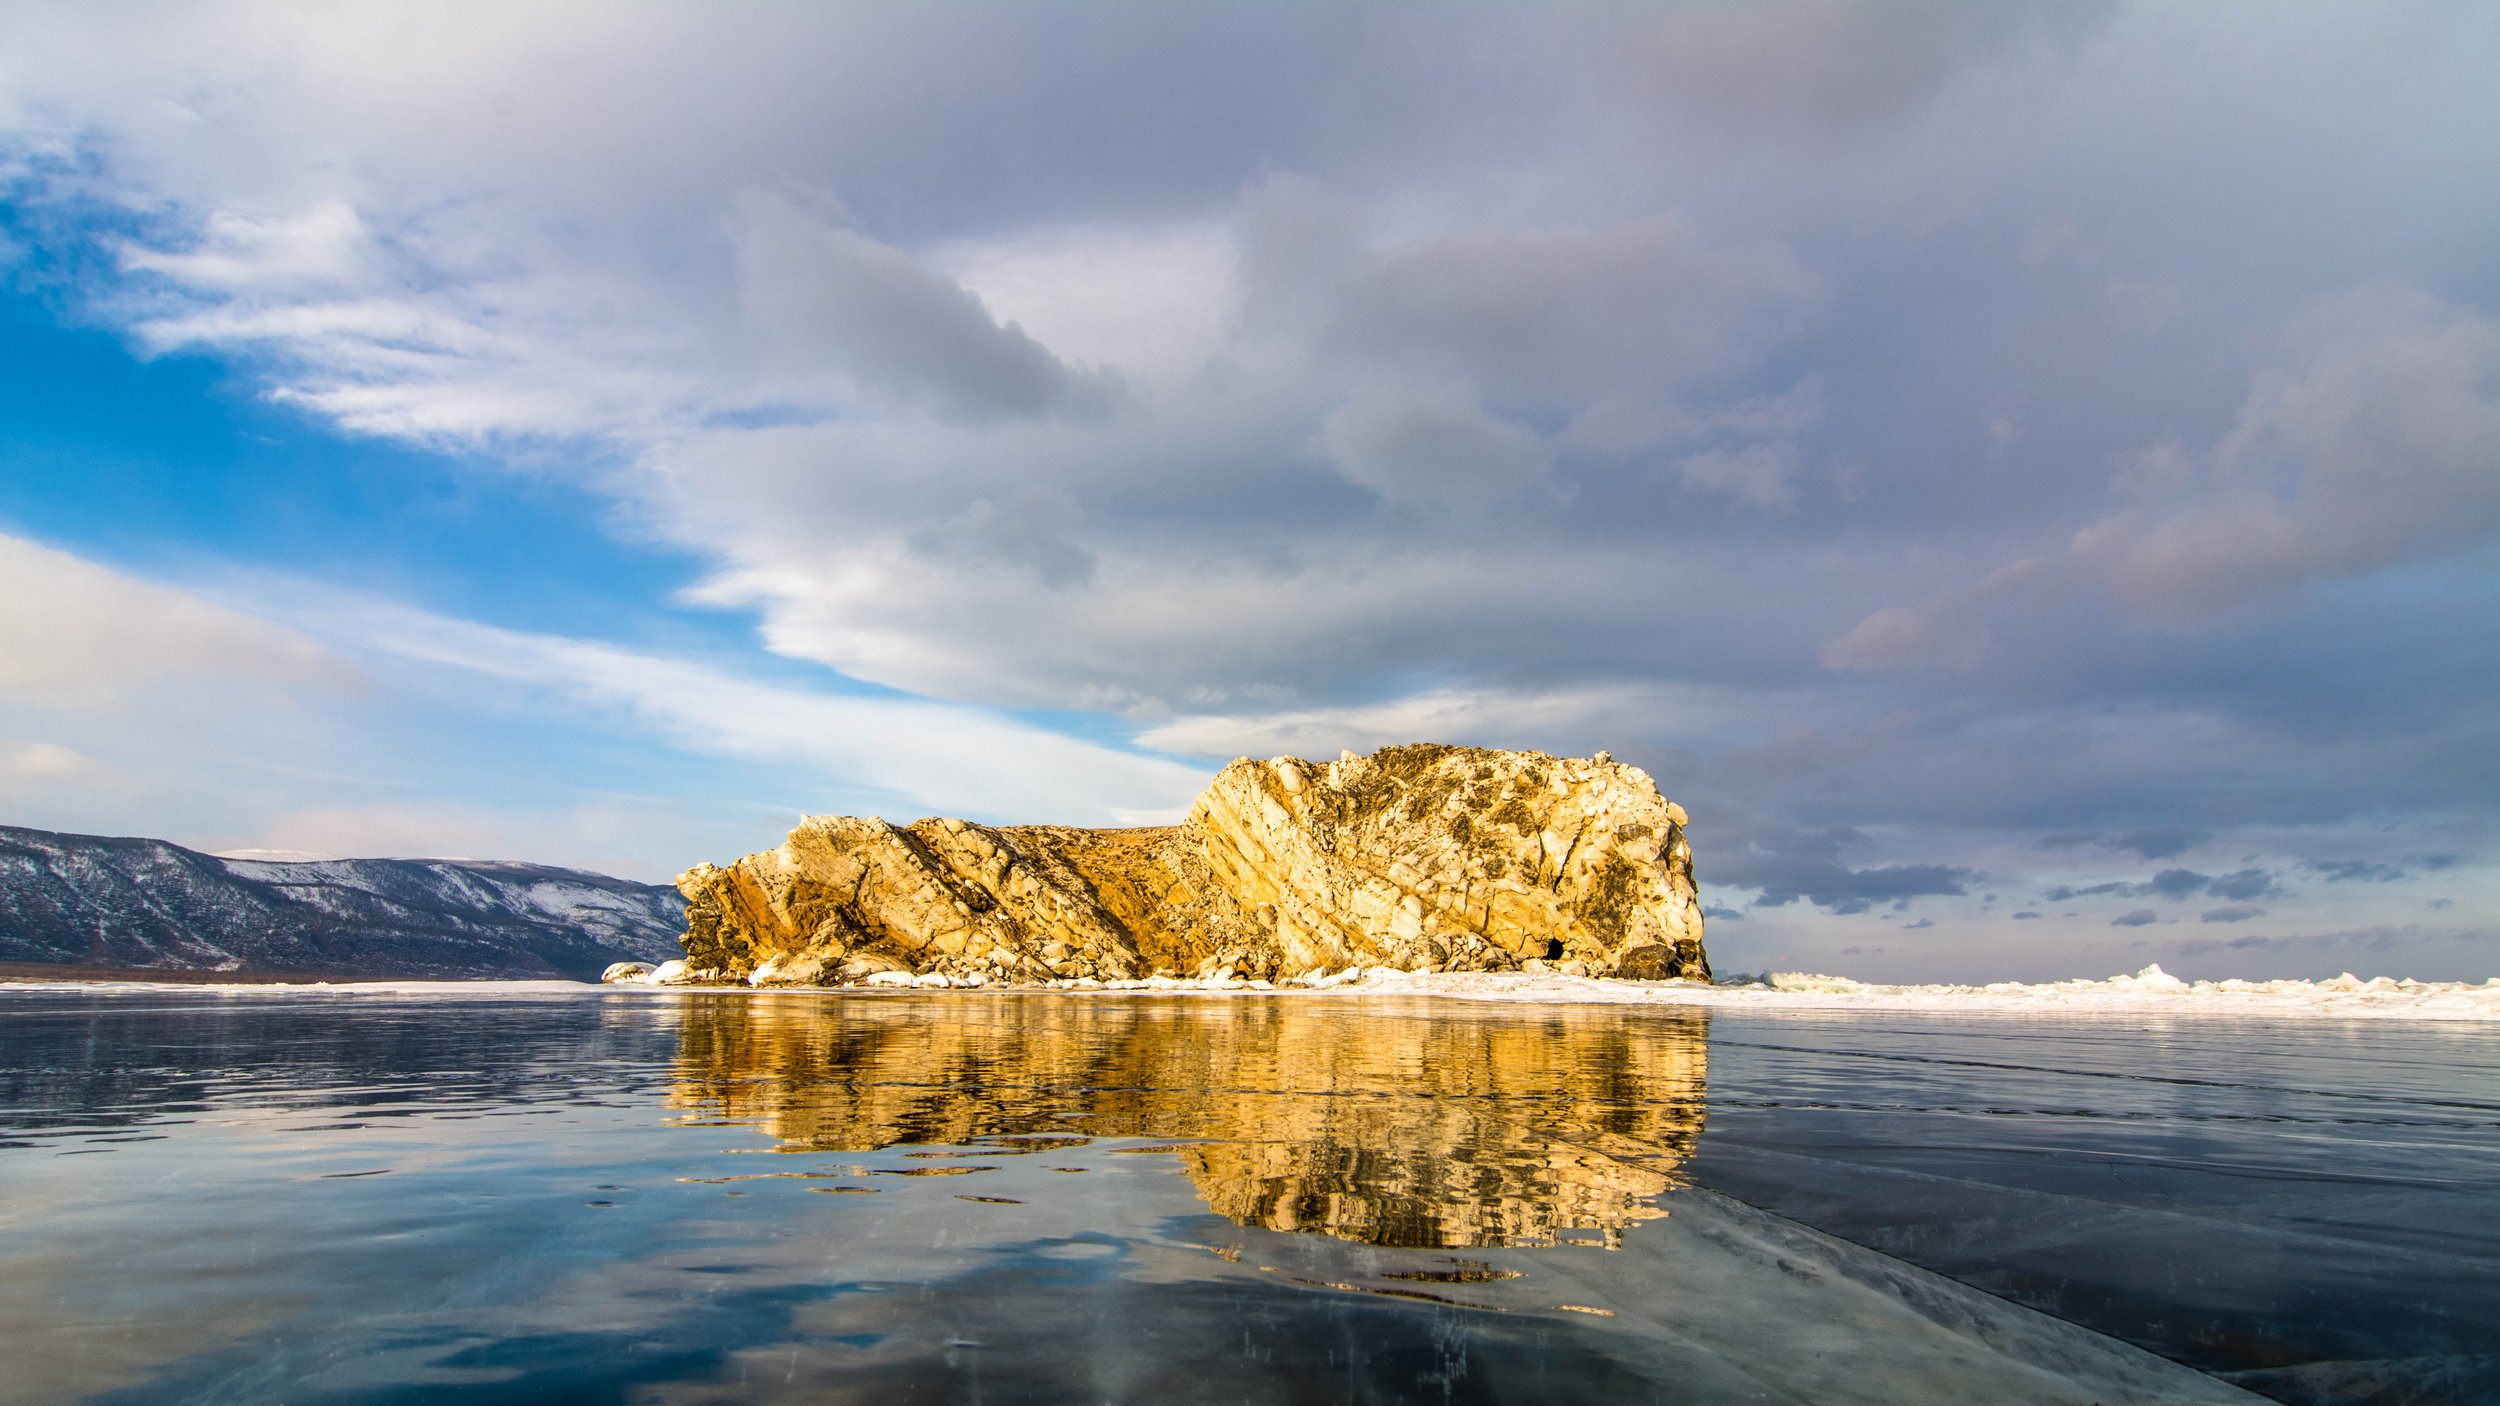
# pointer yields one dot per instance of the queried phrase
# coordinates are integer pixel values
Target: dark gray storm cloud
(819, 294)
(2173, 884)
(2053, 442)
(2339, 871)
(1784, 864)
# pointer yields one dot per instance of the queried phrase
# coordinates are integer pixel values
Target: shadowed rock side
(1390, 1130)
(1422, 858)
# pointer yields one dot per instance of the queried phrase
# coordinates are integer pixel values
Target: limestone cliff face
(1422, 857)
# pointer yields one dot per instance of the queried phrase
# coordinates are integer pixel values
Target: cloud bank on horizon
(2027, 477)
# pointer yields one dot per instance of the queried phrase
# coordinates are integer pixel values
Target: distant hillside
(88, 901)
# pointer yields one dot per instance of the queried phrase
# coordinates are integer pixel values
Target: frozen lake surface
(567, 1193)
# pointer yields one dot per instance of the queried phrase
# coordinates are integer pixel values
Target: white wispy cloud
(949, 758)
(234, 704)
(75, 634)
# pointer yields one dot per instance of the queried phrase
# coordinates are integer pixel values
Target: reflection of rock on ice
(1421, 1197)
(1388, 1128)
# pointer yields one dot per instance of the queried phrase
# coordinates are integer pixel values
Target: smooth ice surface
(2310, 1208)
(368, 1194)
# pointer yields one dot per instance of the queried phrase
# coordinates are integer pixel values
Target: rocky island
(1417, 857)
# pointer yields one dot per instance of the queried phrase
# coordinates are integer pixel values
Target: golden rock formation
(1422, 858)
(1377, 1126)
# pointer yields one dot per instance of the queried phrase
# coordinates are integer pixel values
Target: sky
(2025, 477)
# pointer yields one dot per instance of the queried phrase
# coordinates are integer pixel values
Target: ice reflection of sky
(704, 1196)
(2310, 1207)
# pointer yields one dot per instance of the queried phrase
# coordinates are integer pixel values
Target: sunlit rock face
(1422, 858)
(1390, 1129)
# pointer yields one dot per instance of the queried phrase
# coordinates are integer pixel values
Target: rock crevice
(1420, 857)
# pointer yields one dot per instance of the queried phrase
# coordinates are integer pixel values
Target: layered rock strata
(1419, 858)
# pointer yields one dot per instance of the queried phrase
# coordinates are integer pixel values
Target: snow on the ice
(2149, 991)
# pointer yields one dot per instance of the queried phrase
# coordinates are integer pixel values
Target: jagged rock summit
(1420, 857)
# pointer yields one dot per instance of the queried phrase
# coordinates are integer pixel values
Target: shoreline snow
(385, 986)
(2151, 991)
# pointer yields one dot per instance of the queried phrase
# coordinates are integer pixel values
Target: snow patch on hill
(98, 901)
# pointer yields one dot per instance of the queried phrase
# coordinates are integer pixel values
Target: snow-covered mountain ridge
(93, 901)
